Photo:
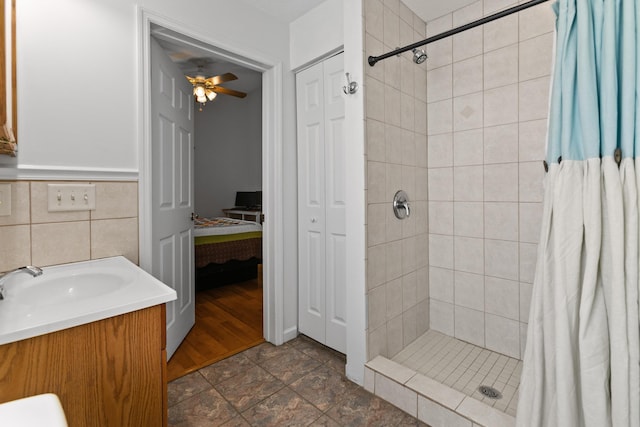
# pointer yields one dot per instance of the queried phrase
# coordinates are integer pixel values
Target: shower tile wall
(396, 158)
(487, 98)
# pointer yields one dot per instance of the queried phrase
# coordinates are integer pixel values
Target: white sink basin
(34, 411)
(74, 294)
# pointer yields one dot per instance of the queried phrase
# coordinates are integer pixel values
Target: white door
(321, 203)
(172, 191)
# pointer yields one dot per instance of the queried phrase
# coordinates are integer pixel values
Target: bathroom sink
(73, 294)
(34, 411)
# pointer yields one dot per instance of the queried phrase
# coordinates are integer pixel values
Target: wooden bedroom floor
(228, 321)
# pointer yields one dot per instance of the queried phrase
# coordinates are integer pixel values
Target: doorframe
(272, 179)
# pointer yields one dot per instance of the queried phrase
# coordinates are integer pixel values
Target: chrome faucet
(34, 271)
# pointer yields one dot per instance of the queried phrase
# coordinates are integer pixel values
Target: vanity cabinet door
(106, 373)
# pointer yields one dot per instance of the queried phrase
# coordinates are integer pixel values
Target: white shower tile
(437, 416)
(409, 255)
(468, 219)
(467, 76)
(419, 82)
(374, 99)
(525, 301)
(409, 290)
(393, 144)
(391, 28)
(408, 113)
(440, 53)
(398, 395)
(493, 6)
(466, 14)
(530, 222)
(391, 72)
(502, 297)
(369, 376)
(406, 35)
(410, 325)
(469, 290)
(441, 251)
(469, 325)
(392, 106)
(393, 181)
(377, 342)
(421, 150)
(375, 141)
(376, 182)
(524, 327)
(440, 117)
(422, 250)
(407, 84)
(394, 298)
(501, 220)
(501, 182)
(501, 259)
(373, 46)
(408, 148)
(394, 260)
(422, 184)
(502, 335)
(422, 316)
(377, 307)
(440, 24)
(406, 14)
(439, 84)
(469, 254)
(468, 44)
(409, 183)
(422, 283)
(374, 18)
(534, 99)
(501, 105)
(393, 5)
(501, 144)
(441, 217)
(500, 33)
(468, 183)
(420, 116)
(376, 224)
(441, 317)
(468, 111)
(532, 136)
(393, 226)
(440, 150)
(420, 215)
(536, 21)
(468, 147)
(395, 336)
(536, 56)
(531, 178)
(528, 257)
(501, 67)
(376, 266)
(441, 284)
(440, 184)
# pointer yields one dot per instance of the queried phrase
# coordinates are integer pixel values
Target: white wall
(228, 147)
(317, 33)
(79, 91)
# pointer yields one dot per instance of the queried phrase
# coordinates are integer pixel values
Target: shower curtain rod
(373, 59)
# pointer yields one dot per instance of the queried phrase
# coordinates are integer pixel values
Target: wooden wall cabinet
(111, 372)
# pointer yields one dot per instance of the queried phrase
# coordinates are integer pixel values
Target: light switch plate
(5, 199)
(71, 197)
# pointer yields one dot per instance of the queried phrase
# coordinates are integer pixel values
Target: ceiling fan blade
(231, 92)
(226, 77)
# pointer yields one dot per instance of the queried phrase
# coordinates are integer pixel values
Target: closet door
(321, 229)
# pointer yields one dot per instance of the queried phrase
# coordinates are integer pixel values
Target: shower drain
(490, 392)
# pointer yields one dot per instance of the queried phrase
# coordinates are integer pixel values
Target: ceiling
(189, 55)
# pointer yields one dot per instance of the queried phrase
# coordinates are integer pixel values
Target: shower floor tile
(465, 367)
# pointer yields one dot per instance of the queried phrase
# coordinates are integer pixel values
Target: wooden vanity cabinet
(111, 372)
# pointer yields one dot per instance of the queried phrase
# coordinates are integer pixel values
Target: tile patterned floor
(465, 367)
(300, 383)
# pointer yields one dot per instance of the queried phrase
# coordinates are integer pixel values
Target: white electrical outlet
(5, 199)
(71, 197)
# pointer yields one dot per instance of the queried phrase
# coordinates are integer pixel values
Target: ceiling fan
(206, 89)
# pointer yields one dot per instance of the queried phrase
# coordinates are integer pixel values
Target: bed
(226, 251)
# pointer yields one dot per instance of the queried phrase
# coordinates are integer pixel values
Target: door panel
(321, 203)
(172, 193)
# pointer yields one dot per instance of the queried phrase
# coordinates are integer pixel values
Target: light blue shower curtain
(581, 364)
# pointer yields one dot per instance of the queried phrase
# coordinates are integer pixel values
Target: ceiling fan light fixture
(211, 95)
(198, 90)
(201, 99)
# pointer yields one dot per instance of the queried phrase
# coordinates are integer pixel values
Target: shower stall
(463, 134)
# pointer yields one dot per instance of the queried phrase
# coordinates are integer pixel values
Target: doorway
(271, 176)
